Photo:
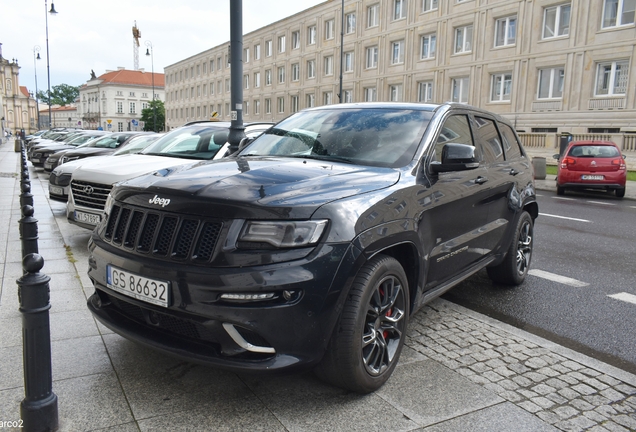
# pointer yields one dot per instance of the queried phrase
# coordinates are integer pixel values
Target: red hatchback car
(592, 165)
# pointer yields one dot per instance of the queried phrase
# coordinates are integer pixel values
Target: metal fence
(627, 142)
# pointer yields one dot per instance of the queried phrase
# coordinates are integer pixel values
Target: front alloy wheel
(515, 265)
(368, 339)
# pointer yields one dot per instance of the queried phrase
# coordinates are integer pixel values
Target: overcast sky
(97, 35)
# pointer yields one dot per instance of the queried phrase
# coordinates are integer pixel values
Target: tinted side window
(456, 129)
(489, 140)
(510, 141)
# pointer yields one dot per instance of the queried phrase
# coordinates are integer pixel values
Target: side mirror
(556, 156)
(456, 157)
(244, 143)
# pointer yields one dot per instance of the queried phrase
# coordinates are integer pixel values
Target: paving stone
(543, 402)
(534, 376)
(598, 385)
(577, 375)
(590, 372)
(596, 400)
(568, 393)
(566, 412)
(582, 422)
(612, 395)
(522, 381)
(627, 389)
(598, 429)
(570, 380)
(556, 383)
(479, 367)
(581, 405)
(519, 356)
(508, 384)
(511, 396)
(496, 363)
(548, 371)
(527, 393)
(561, 368)
(572, 365)
(557, 398)
(465, 371)
(536, 363)
(606, 410)
(530, 407)
(518, 367)
(613, 427)
(595, 416)
(608, 380)
(625, 421)
(495, 388)
(504, 371)
(478, 379)
(584, 389)
(548, 417)
(492, 376)
(543, 389)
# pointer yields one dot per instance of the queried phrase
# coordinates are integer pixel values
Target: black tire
(368, 338)
(620, 193)
(560, 190)
(514, 268)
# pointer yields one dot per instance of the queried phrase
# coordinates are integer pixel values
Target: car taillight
(567, 162)
(620, 163)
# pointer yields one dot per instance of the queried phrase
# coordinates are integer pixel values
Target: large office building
(115, 99)
(549, 66)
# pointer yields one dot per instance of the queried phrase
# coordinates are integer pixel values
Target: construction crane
(136, 35)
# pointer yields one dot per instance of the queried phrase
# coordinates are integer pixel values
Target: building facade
(19, 109)
(115, 99)
(547, 65)
(62, 116)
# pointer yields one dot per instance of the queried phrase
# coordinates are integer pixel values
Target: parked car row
(309, 247)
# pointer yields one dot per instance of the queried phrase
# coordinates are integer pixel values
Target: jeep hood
(257, 187)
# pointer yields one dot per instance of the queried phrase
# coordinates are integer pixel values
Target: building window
(257, 106)
(294, 104)
(246, 81)
(268, 106)
(397, 50)
(211, 65)
(311, 68)
(327, 98)
(198, 70)
(227, 85)
(372, 57)
(464, 39)
(120, 126)
(281, 44)
(350, 23)
(246, 55)
(227, 109)
(506, 31)
(395, 93)
(191, 92)
(211, 88)
(329, 29)
(460, 90)
(399, 9)
(120, 107)
(257, 79)
(219, 65)
(425, 91)
(310, 100)
(501, 86)
(618, 12)
(311, 35)
(328, 62)
(131, 94)
(373, 15)
(556, 21)
(296, 39)
(551, 83)
(370, 94)
(428, 47)
(611, 78)
(281, 104)
(281, 74)
(429, 5)
(268, 48)
(257, 52)
(120, 93)
(132, 108)
(295, 71)
(348, 96)
(348, 61)
(268, 77)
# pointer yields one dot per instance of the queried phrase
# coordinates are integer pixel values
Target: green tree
(148, 116)
(62, 94)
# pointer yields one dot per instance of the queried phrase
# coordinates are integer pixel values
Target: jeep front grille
(164, 236)
(91, 195)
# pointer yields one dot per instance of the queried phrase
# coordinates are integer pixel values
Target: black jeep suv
(314, 244)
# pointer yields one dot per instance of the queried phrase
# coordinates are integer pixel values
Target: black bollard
(28, 230)
(38, 410)
(26, 197)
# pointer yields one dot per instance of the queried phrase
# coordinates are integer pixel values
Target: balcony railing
(607, 103)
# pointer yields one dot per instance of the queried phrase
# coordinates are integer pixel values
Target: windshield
(594, 151)
(190, 142)
(81, 139)
(136, 144)
(386, 137)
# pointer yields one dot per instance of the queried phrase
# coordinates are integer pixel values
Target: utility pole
(237, 131)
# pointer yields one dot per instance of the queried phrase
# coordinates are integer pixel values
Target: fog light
(248, 297)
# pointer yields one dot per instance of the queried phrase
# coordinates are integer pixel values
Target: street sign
(134, 122)
(110, 125)
(109, 121)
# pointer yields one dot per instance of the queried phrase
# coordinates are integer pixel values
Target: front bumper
(289, 333)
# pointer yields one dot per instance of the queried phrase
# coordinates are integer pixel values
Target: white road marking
(600, 202)
(626, 297)
(633, 207)
(557, 278)
(564, 217)
(564, 198)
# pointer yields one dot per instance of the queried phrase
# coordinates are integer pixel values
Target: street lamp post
(149, 52)
(36, 49)
(48, 68)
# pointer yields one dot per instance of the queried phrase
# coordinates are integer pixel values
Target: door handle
(481, 180)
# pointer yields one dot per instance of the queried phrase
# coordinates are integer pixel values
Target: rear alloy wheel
(620, 193)
(514, 268)
(368, 339)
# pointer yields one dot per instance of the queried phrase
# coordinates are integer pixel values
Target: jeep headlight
(283, 234)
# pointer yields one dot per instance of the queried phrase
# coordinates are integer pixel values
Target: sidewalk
(459, 371)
